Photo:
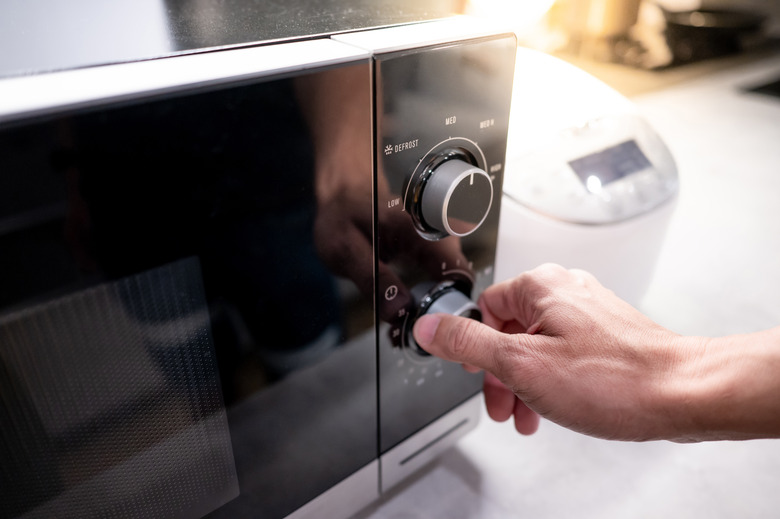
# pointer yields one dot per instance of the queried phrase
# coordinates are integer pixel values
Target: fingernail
(425, 329)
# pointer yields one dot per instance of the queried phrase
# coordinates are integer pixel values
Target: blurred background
(646, 35)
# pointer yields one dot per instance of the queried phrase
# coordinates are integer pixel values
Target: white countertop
(718, 273)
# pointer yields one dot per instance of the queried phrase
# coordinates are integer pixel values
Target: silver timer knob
(445, 299)
(455, 302)
(456, 198)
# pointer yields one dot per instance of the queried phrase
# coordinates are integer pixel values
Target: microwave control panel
(442, 115)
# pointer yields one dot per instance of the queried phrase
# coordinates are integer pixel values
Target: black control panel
(442, 115)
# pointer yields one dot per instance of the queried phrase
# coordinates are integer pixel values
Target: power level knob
(456, 198)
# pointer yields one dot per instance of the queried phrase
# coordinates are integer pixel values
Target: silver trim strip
(345, 498)
(448, 30)
(38, 94)
(421, 448)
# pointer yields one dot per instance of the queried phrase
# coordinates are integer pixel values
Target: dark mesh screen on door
(110, 404)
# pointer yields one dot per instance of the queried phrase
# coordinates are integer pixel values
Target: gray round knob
(455, 302)
(448, 301)
(456, 198)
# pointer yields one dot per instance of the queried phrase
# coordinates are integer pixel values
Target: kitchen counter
(718, 273)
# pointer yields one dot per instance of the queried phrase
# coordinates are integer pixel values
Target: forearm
(727, 388)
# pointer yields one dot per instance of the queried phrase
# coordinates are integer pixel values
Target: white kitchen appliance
(588, 184)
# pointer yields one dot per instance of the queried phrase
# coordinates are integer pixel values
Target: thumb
(459, 339)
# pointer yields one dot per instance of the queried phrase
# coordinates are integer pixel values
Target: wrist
(725, 388)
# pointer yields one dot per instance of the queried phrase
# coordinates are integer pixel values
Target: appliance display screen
(611, 164)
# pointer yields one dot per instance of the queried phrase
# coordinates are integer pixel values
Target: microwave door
(185, 327)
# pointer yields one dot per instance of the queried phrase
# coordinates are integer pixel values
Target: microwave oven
(212, 261)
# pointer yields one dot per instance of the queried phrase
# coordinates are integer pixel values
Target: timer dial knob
(446, 300)
(456, 198)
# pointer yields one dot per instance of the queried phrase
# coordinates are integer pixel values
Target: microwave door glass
(185, 328)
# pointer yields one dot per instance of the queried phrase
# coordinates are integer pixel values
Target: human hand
(559, 344)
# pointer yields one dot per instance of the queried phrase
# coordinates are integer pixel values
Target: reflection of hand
(400, 244)
(343, 233)
(337, 105)
(573, 352)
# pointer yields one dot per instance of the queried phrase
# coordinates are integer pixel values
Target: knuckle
(582, 277)
(549, 271)
(533, 289)
(543, 276)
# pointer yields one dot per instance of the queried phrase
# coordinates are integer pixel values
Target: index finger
(516, 300)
